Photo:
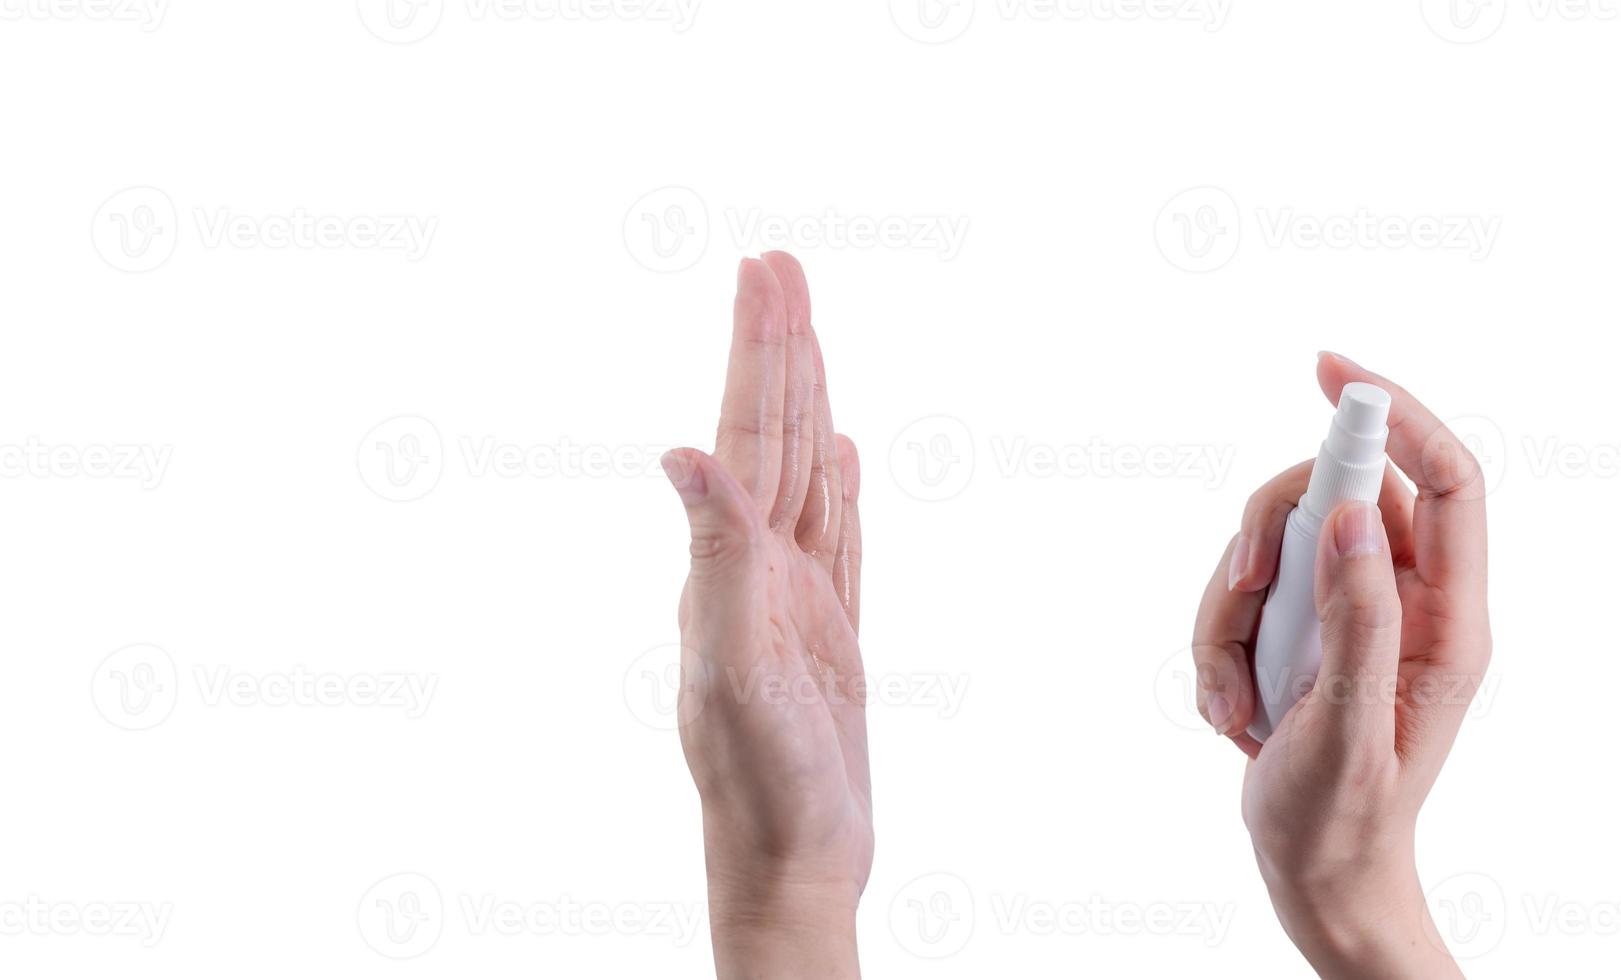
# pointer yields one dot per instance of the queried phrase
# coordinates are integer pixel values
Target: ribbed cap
(1351, 464)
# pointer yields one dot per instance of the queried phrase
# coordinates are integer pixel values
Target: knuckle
(1450, 469)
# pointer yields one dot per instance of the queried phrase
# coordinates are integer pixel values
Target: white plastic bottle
(1350, 466)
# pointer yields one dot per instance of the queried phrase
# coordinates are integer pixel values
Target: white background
(536, 604)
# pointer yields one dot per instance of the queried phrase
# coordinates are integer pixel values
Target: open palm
(772, 709)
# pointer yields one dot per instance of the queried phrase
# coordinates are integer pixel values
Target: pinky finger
(847, 557)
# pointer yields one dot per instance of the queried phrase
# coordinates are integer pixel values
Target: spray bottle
(1350, 466)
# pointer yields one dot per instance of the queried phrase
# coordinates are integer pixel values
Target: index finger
(1449, 516)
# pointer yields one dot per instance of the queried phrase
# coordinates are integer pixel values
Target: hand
(1332, 799)
(772, 711)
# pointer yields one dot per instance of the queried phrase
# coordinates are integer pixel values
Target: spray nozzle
(1352, 461)
(1363, 409)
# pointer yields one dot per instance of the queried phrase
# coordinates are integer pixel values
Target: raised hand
(772, 710)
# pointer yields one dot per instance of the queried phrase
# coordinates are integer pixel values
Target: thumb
(1361, 616)
(726, 525)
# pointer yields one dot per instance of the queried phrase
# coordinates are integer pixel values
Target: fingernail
(1240, 563)
(1338, 357)
(685, 476)
(1357, 531)
(1221, 712)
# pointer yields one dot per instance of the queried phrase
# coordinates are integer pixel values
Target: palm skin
(772, 710)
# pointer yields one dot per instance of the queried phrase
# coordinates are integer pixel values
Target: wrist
(771, 920)
(766, 925)
(1373, 924)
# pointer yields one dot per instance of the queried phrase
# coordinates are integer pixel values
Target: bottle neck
(1335, 480)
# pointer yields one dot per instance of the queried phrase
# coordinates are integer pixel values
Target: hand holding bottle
(1332, 799)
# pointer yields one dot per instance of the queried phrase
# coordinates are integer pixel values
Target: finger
(1361, 616)
(749, 443)
(799, 396)
(1255, 560)
(1222, 636)
(1247, 744)
(1449, 515)
(723, 519)
(818, 531)
(1260, 536)
(847, 556)
(1396, 508)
